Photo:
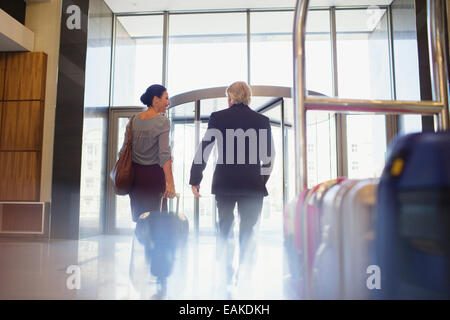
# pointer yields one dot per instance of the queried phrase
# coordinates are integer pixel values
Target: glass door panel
(92, 175)
(271, 214)
(366, 145)
(406, 57)
(183, 148)
(321, 147)
(273, 206)
(209, 106)
(118, 213)
(207, 202)
(364, 73)
(122, 203)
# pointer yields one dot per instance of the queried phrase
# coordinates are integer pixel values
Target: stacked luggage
(293, 247)
(336, 232)
(346, 248)
(302, 217)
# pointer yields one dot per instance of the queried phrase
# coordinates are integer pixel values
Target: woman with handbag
(151, 153)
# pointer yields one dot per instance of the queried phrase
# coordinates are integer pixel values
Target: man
(245, 152)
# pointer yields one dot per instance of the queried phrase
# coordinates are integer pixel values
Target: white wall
(44, 19)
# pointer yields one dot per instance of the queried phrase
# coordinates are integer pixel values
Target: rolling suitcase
(311, 214)
(327, 275)
(413, 219)
(298, 221)
(290, 226)
(174, 226)
(292, 246)
(157, 238)
(358, 214)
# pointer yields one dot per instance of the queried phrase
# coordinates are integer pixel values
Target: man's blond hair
(239, 92)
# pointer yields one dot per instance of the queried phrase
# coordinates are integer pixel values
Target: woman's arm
(165, 159)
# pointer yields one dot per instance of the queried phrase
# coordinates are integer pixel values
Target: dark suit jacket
(233, 174)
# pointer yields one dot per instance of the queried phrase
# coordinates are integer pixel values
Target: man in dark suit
(245, 159)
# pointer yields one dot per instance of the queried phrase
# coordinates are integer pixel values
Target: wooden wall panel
(25, 76)
(20, 176)
(22, 95)
(22, 126)
(22, 217)
(2, 74)
(1, 117)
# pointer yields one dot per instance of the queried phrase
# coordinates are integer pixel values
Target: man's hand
(195, 191)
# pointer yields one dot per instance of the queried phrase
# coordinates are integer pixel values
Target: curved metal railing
(220, 92)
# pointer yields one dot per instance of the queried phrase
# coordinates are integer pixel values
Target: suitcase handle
(177, 195)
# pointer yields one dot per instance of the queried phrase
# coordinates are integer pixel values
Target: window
(138, 57)
(318, 53)
(321, 136)
(183, 149)
(89, 183)
(271, 48)
(92, 174)
(407, 82)
(363, 72)
(206, 50)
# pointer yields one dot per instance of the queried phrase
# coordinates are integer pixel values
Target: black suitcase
(161, 233)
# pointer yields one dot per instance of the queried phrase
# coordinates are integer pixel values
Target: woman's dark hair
(155, 90)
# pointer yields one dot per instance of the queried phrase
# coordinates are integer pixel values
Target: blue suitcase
(413, 219)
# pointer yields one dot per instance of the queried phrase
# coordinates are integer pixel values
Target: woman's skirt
(148, 188)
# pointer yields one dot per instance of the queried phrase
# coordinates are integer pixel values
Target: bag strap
(130, 132)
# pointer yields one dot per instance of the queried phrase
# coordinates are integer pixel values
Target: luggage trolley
(302, 103)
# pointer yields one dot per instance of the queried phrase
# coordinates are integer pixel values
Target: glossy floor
(108, 270)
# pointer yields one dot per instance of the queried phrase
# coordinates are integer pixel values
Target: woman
(151, 153)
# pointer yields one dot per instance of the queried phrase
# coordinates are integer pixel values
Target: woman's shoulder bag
(122, 175)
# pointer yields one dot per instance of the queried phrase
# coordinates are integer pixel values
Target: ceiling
(127, 6)
(14, 36)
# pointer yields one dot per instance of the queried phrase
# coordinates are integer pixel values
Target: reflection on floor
(38, 270)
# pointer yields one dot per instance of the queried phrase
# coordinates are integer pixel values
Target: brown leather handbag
(122, 175)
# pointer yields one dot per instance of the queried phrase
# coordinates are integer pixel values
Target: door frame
(110, 216)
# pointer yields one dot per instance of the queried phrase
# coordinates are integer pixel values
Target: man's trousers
(249, 209)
